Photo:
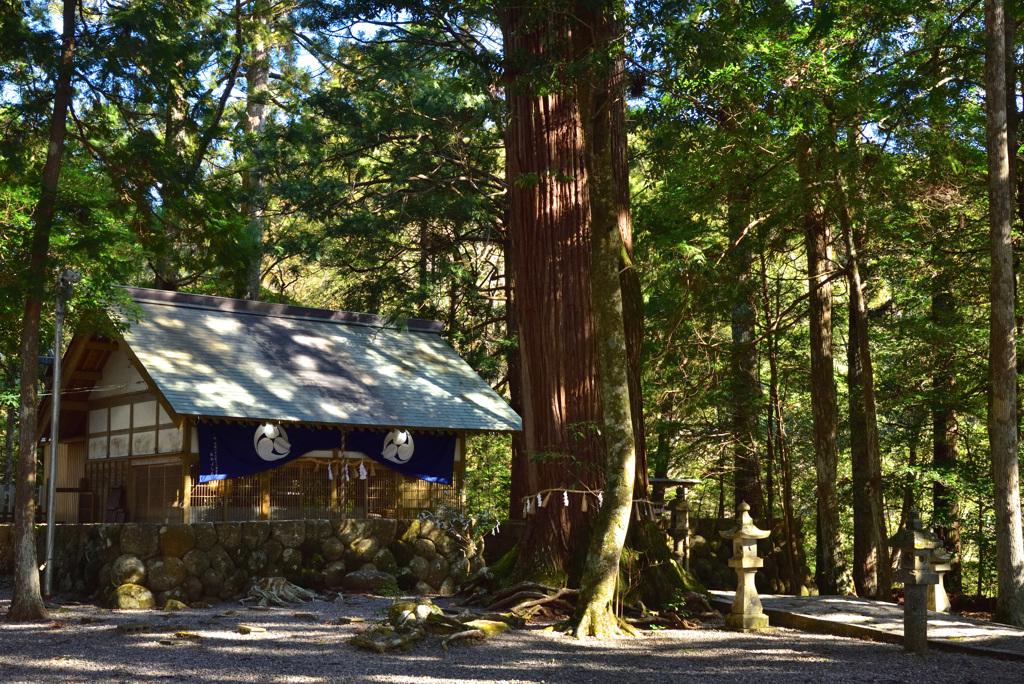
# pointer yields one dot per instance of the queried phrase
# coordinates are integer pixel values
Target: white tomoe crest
(271, 442)
(398, 446)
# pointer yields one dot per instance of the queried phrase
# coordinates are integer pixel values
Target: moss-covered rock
(172, 605)
(334, 574)
(255, 533)
(165, 573)
(193, 588)
(213, 582)
(196, 562)
(133, 597)
(220, 560)
(424, 548)
(177, 540)
(332, 549)
(365, 549)
(290, 561)
(229, 535)
(420, 568)
(489, 627)
(273, 549)
(401, 551)
(407, 530)
(289, 533)
(318, 530)
(438, 572)
(256, 562)
(127, 569)
(385, 562)
(107, 544)
(370, 582)
(460, 570)
(140, 540)
(206, 535)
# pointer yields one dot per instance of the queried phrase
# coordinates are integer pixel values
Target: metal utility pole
(65, 285)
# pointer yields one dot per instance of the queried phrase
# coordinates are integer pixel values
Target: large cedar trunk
(945, 507)
(257, 80)
(744, 384)
(26, 600)
(1002, 371)
(550, 234)
(602, 99)
(872, 572)
(831, 569)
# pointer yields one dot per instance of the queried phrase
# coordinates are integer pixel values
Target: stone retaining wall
(217, 561)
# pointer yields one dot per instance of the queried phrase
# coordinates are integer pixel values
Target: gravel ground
(82, 644)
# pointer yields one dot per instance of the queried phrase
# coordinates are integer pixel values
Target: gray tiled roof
(227, 358)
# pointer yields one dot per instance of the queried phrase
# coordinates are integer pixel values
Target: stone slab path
(864, 618)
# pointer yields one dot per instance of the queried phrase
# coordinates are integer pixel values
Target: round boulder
(193, 588)
(385, 562)
(133, 597)
(424, 548)
(127, 569)
(334, 574)
(420, 567)
(365, 548)
(213, 582)
(332, 548)
(165, 573)
(196, 562)
(290, 561)
(220, 560)
(438, 572)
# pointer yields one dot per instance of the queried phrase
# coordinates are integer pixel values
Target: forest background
(352, 155)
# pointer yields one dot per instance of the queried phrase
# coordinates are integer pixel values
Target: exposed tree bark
(872, 574)
(663, 451)
(26, 599)
(8, 481)
(601, 96)
(257, 76)
(746, 465)
(520, 462)
(831, 572)
(945, 507)
(1002, 410)
(550, 232)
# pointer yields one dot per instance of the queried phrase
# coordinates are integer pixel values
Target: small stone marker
(938, 600)
(306, 616)
(250, 629)
(746, 615)
(915, 544)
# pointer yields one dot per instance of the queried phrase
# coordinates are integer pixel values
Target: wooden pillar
(265, 495)
(186, 467)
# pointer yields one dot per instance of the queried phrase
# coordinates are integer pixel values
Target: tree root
(277, 591)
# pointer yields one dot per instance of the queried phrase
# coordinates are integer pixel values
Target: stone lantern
(679, 520)
(915, 545)
(938, 600)
(746, 615)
